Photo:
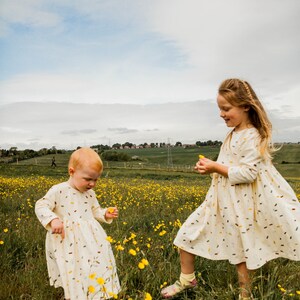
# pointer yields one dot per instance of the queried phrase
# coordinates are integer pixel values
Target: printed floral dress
(252, 216)
(82, 263)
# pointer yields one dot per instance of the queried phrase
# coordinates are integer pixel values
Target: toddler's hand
(57, 227)
(111, 213)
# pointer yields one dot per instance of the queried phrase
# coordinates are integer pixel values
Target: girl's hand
(111, 213)
(205, 166)
(57, 227)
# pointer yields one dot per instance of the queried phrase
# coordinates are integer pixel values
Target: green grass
(150, 200)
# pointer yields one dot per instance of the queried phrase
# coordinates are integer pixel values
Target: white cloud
(67, 125)
(33, 13)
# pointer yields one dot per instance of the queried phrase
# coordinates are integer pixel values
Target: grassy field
(153, 202)
(286, 160)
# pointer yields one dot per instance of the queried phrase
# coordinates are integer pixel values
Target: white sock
(186, 279)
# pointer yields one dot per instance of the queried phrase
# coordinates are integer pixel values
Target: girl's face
(234, 116)
(83, 178)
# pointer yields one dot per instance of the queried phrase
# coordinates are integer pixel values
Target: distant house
(189, 145)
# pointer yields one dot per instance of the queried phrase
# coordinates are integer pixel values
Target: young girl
(250, 214)
(79, 257)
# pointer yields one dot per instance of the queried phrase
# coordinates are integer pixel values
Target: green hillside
(173, 159)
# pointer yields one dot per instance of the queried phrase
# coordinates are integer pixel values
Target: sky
(86, 72)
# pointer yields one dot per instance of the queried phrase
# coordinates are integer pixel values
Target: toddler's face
(83, 178)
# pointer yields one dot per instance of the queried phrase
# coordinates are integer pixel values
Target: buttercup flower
(100, 280)
(132, 252)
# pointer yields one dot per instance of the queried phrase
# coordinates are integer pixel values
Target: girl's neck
(243, 127)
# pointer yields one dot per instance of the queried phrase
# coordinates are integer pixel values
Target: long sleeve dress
(83, 262)
(251, 216)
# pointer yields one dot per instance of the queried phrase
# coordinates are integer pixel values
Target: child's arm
(44, 209)
(105, 215)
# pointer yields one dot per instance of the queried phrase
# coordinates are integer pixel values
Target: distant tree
(116, 146)
(115, 156)
(178, 144)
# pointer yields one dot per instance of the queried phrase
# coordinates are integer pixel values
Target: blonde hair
(86, 157)
(240, 93)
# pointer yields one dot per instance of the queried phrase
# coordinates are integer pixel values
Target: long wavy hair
(240, 93)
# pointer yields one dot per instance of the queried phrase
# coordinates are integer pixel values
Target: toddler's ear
(71, 171)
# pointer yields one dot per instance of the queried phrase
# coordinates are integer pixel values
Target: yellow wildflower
(91, 289)
(163, 232)
(5, 229)
(120, 248)
(109, 238)
(132, 252)
(201, 156)
(100, 280)
(145, 262)
(92, 276)
(141, 266)
(148, 296)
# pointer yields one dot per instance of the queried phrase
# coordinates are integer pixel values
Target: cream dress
(252, 216)
(84, 255)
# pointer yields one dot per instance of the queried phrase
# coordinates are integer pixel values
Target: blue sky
(147, 52)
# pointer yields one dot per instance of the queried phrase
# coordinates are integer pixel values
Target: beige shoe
(176, 288)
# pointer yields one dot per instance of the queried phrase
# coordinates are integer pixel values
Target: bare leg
(244, 278)
(187, 262)
(187, 277)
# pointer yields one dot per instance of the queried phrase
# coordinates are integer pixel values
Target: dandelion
(132, 252)
(100, 280)
(92, 276)
(147, 296)
(110, 210)
(164, 284)
(119, 248)
(141, 266)
(5, 229)
(1, 242)
(201, 156)
(163, 232)
(145, 262)
(109, 238)
(91, 289)
(298, 292)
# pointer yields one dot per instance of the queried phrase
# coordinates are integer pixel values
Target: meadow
(153, 203)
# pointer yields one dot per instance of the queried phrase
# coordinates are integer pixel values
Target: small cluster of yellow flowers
(119, 247)
(132, 252)
(290, 294)
(101, 282)
(110, 239)
(143, 263)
